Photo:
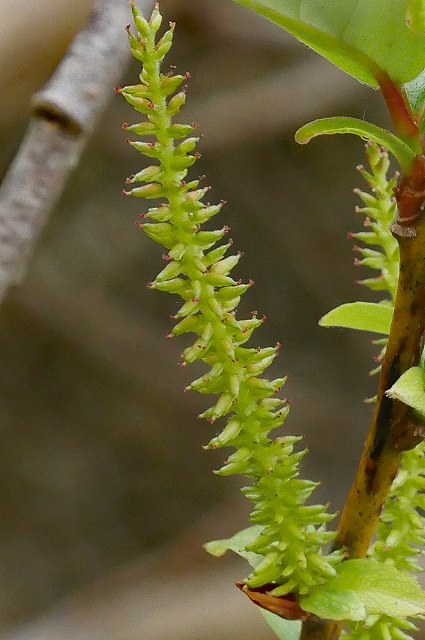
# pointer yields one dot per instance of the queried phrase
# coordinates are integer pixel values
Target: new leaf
(362, 37)
(363, 588)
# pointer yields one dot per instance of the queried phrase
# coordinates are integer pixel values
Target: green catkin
(381, 252)
(401, 530)
(198, 270)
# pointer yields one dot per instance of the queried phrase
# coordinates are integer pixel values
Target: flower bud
(177, 131)
(177, 252)
(160, 214)
(145, 128)
(186, 146)
(160, 232)
(138, 48)
(139, 90)
(155, 19)
(175, 103)
(207, 239)
(148, 191)
(204, 214)
(222, 406)
(149, 149)
(229, 433)
(188, 308)
(187, 325)
(172, 270)
(215, 254)
(169, 84)
(222, 267)
(235, 291)
(140, 22)
(178, 164)
(153, 172)
(164, 44)
(175, 285)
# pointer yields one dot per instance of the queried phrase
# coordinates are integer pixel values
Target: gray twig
(64, 114)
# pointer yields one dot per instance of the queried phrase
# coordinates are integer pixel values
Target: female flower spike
(291, 534)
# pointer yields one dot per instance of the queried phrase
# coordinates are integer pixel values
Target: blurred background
(106, 494)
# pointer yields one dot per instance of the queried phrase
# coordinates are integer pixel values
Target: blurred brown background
(105, 493)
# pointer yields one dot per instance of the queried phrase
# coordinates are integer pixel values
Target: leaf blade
(364, 316)
(410, 389)
(378, 588)
(358, 36)
(365, 130)
(237, 543)
(415, 92)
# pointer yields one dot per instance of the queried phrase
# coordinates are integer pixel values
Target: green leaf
(410, 389)
(363, 588)
(366, 316)
(334, 604)
(361, 128)
(237, 544)
(359, 36)
(415, 92)
(284, 629)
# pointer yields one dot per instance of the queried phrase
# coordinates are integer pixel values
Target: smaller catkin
(381, 252)
(198, 269)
